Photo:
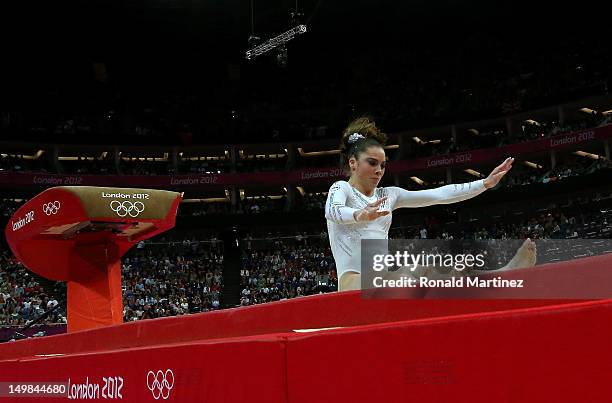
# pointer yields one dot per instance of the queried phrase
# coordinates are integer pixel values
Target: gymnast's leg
(349, 281)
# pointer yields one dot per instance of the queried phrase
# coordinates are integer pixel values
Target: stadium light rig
(275, 42)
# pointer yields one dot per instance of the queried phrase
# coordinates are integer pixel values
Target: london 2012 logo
(160, 383)
(127, 208)
(51, 208)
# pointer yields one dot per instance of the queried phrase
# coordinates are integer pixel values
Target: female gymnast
(358, 209)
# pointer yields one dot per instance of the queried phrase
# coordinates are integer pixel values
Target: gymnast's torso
(345, 234)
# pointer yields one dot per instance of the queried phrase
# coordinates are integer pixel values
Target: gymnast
(358, 209)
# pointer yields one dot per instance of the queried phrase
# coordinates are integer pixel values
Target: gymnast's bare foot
(525, 256)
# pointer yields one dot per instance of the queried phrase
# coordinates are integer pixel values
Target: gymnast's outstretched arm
(450, 193)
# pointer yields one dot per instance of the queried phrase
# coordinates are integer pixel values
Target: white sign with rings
(125, 208)
(160, 383)
(51, 207)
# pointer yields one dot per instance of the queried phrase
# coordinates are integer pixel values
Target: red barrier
(329, 310)
(554, 353)
(237, 370)
(384, 350)
(321, 311)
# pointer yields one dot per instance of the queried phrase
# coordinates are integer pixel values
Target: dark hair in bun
(353, 144)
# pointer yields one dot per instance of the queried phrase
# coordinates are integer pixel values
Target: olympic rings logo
(160, 383)
(126, 208)
(51, 207)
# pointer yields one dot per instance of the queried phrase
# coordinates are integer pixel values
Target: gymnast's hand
(371, 212)
(495, 176)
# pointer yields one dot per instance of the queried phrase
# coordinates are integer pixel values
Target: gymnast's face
(369, 167)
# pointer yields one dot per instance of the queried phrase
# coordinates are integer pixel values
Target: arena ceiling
(160, 40)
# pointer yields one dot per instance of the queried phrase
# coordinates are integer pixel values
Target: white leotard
(345, 234)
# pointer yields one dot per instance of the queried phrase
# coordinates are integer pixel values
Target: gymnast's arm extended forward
(450, 193)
